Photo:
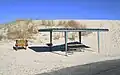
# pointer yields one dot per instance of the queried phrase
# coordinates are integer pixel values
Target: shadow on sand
(56, 47)
(108, 67)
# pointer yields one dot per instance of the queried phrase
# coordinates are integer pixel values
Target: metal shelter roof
(72, 29)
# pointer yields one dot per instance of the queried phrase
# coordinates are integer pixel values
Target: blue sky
(59, 9)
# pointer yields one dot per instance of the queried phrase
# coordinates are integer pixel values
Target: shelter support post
(50, 40)
(98, 37)
(66, 46)
(80, 37)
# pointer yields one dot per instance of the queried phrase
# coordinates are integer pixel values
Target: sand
(29, 62)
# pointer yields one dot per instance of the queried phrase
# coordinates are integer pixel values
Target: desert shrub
(76, 24)
(56, 37)
(43, 22)
(72, 37)
(85, 33)
(21, 30)
(63, 23)
(1, 37)
(72, 23)
(48, 23)
(51, 23)
(60, 23)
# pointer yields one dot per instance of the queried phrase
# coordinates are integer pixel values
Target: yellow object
(21, 43)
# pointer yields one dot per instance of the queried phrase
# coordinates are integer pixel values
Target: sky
(11, 10)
